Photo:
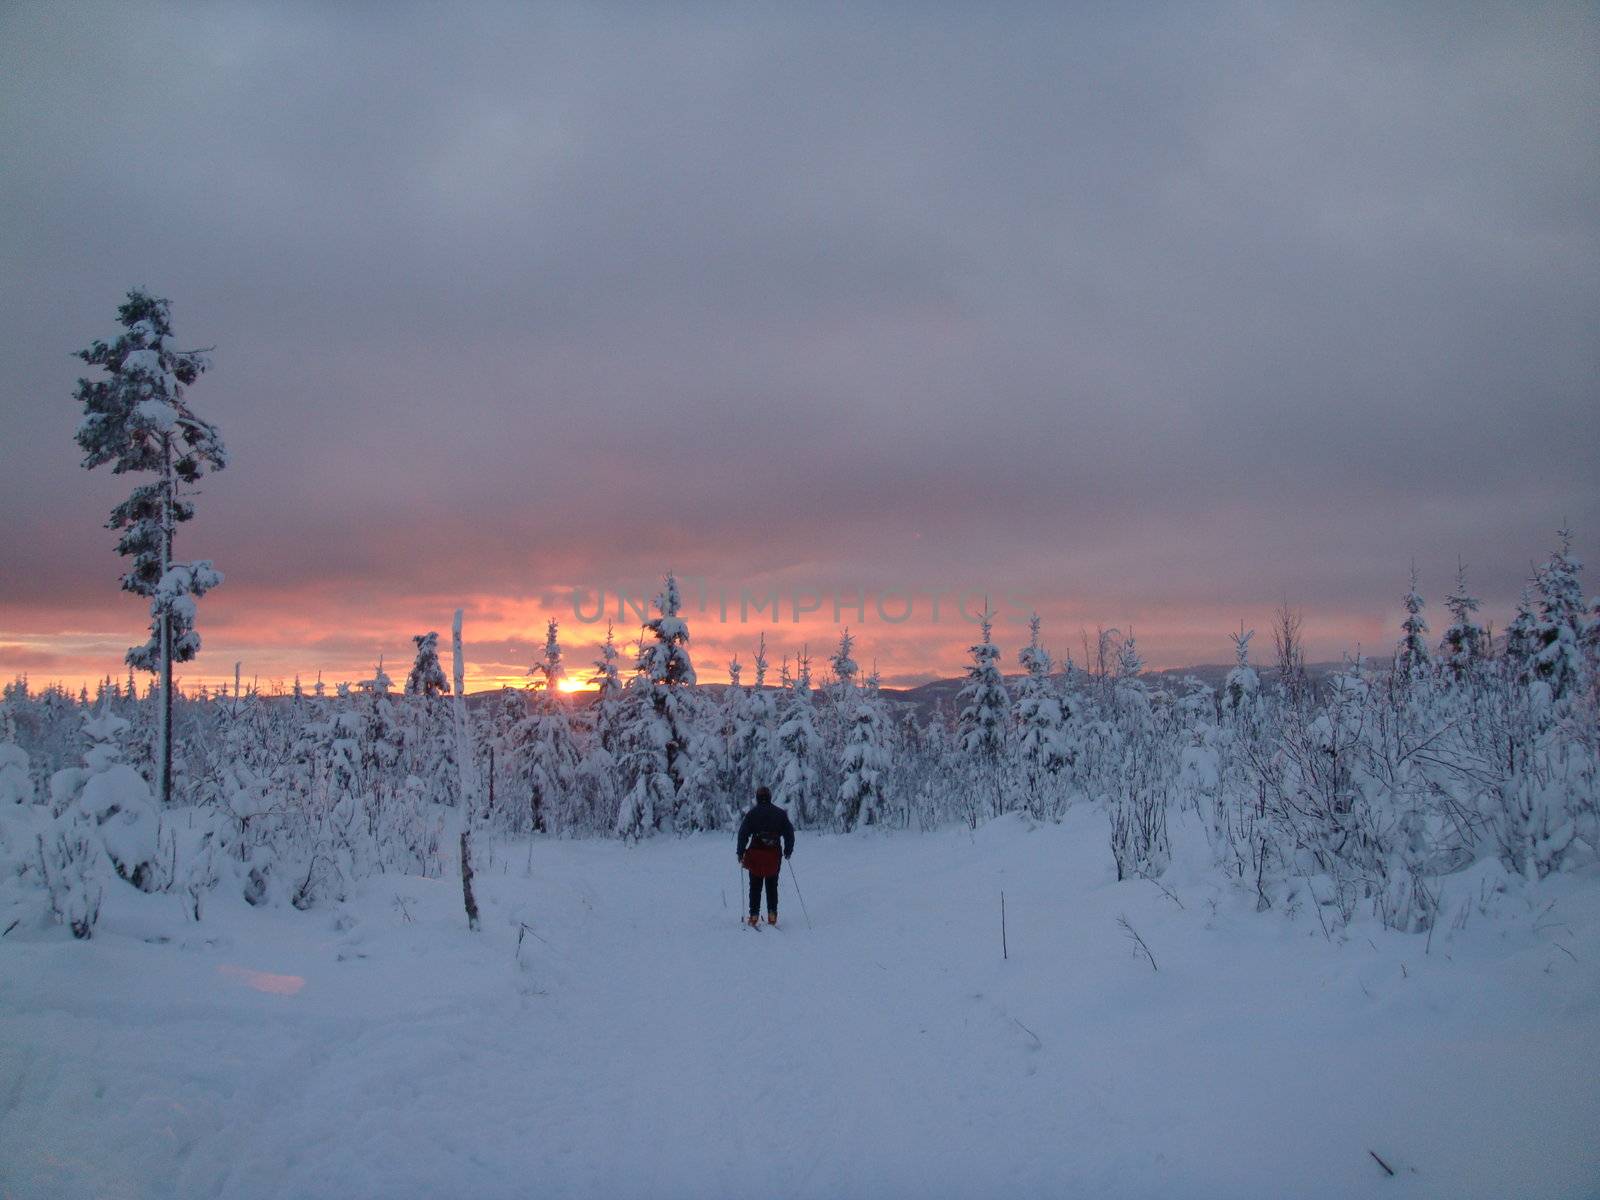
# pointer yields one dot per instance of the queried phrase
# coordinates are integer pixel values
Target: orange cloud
(342, 632)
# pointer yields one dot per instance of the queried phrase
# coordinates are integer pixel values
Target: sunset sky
(1145, 316)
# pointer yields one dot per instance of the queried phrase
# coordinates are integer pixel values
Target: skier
(765, 829)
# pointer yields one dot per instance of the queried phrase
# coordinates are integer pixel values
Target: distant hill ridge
(930, 695)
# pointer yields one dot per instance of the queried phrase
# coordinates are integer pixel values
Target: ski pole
(795, 879)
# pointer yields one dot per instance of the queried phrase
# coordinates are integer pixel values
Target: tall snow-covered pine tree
(658, 725)
(1040, 725)
(138, 419)
(985, 711)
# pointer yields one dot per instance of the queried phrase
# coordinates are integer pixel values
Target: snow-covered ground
(642, 1044)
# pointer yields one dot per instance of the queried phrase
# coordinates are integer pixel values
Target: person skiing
(765, 830)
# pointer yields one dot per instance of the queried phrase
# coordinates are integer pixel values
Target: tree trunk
(466, 881)
(166, 713)
(465, 770)
(164, 751)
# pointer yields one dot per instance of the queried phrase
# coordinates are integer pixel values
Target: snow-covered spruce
(985, 715)
(1043, 750)
(1465, 642)
(656, 724)
(1411, 657)
(797, 744)
(547, 755)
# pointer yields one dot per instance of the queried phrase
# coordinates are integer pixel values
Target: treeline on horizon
(1106, 646)
(1366, 788)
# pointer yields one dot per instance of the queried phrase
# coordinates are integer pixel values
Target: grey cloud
(1181, 302)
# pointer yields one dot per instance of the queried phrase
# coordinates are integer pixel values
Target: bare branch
(1138, 941)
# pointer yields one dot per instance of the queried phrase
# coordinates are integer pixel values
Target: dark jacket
(766, 817)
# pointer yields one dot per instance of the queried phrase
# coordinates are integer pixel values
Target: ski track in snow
(648, 1046)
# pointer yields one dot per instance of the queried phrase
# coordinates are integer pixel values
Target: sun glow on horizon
(506, 635)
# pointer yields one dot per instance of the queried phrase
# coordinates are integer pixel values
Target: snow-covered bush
(16, 781)
(1138, 808)
(113, 805)
(102, 831)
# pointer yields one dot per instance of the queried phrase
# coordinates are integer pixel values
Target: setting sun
(570, 684)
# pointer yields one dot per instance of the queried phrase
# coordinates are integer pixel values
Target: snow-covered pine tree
(844, 668)
(867, 759)
(138, 419)
(1522, 636)
(427, 676)
(549, 671)
(1070, 684)
(797, 745)
(1196, 704)
(383, 745)
(423, 729)
(1411, 656)
(704, 802)
(646, 788)
(760, 730)
(550, 755)
(1127, 689)
(1041, 748)
(658, 728)
(985, 713)
(1562, 627)
(1034, 658)
(16, 778)
(601, 756)
(1464, 642)
(735, 743)
(1592, 645)
(837, 717)
(607, 708)
(428, 739)
(1242, 685)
